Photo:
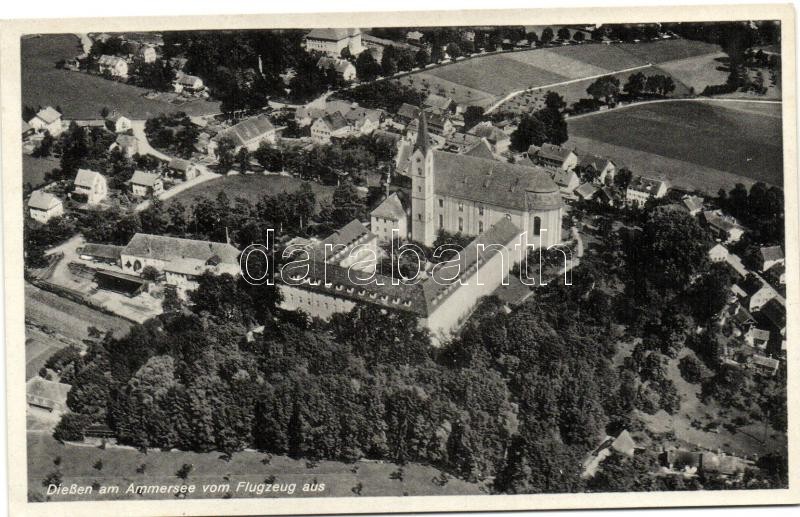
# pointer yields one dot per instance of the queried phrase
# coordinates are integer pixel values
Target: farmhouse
(437, 103)
(461, 142)
(48, 395)
(147, 53)
(718, 253)
(184, 169)
(694, 204)
(329, 126)
(555, 156)
(757, 338)
(567, 180)
(181, 260)
(467, 194)
(407, 112)
(146, 184)
(723, 226)
(43, 206)
(117, 122)
(586, 191)
(113, 65)
(101, 253)
(188, 83)
(91, 186)
(599, 167)
(333, 41)
(343, 68)
(640, 189)
(499, 140)
(47, 119)
(248, 133)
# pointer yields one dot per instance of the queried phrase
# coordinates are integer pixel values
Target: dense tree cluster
(387, 95)
(174, 133)
(544, 125)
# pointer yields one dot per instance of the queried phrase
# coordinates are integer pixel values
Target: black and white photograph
(375, 260)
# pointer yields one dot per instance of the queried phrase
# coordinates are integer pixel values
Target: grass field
(702, 145)
(430, 83)
(119, 469)
(669, 50)
(249, 186)
(80, 95)
(698, 71)
(34, 169)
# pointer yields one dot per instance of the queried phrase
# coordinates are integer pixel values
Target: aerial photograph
(404, 261)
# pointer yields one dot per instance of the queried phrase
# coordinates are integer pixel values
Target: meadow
(80, 95)
(702, 145)
(120, 466)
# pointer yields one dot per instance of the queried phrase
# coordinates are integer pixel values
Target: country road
(562, 83)
(144, 145)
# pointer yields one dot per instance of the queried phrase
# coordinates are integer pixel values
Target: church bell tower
(422, 229)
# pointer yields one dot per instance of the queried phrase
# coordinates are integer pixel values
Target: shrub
(692, 369)
(71, 427)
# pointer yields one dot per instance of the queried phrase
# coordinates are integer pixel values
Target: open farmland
(699, 71)
(702, 145)
(80, 95)
(249, 186)
(429, 83)
(669, 50)
(119, 468)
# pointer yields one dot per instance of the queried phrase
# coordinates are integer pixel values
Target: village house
(567, 180)
(113, 65)
(391, 214)
(586, 192)
(438, 124)
(498, 139)
(333, 41)
(622, 444)
(48, 395)
(694, 204)
(555, 156)
(757, 338)
(147, 53)
(117, 122)
(144, 184)
(772, 315)
(641, 188)
(44, 206)
(407, 113)
(330, 126)
(91, 186)
(437, 103)
(363, 120)
(248, 133)
(461, 142)
(343, 68)
(766, 366)
(723, 227)
(188, 83)
(101, 253)
(184, 169)
(718, 253)
(180, 260)
(127, 144)
(770, 256)
(47, 119)
(602, 170)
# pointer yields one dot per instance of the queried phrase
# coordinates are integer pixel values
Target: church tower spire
(422, 134)
(422, 183)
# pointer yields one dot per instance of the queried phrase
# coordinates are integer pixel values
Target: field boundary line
(658, 101)
(562, 83)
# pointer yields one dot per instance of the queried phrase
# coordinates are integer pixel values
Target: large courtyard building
(333, 41)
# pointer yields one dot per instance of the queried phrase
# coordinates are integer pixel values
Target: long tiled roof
(769, 253)
(48, 115)
(550, 152)
(332, 34)
(147, 179)
(480, 149)
(646, 185)
(160, 247)
(494, 182)
(347, 235)
(247, 130)
(107, 60)
(107, 251)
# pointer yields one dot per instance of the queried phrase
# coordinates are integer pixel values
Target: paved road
(562, 83)
(655, 101)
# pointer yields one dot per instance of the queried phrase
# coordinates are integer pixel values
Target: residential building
(363, 120)
(407, 113)
(555, 156)
(329, 126)
(147, 53)
(770, 256)
(498, 139)
(343, 68)
(117, 122)
(145, 184)
(390, 215)
(333, 41)
(437, 103)
(586, 191)
(718, 253)
(641, 188)
(47, 395)
(248, 133)
(127, 144)
(623, 444)
(601, 169)
(567, 180)
(188, 83)
(113, 65)
(101, 253)
(184, 169)
(723, 227)
(91, 185)
(180, 260)
(438, 124)
(467, 194)
(766, 366)
(47, 119)
(694, 204)
(43, 206)
(461, 142)
(757, 338)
